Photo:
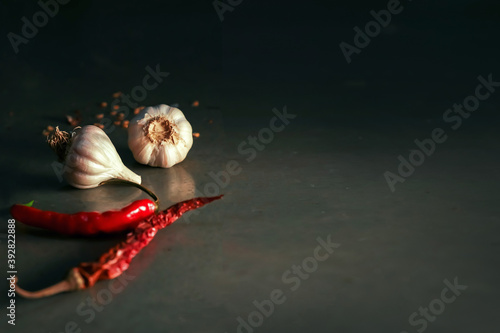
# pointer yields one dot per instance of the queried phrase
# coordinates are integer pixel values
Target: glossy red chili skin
(86, 223)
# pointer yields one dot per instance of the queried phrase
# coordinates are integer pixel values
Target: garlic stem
(118, 181)
(129, 175)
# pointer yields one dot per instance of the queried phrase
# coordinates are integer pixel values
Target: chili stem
(74, 281)
(49, 291)
(139, 186)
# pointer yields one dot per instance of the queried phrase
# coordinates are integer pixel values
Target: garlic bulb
(160, 136)
(89, 157)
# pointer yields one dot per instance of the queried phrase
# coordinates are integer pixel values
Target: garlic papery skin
(160, 136)
(89, 158)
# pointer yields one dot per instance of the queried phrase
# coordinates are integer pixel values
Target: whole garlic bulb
(89, 157)
(160, 136)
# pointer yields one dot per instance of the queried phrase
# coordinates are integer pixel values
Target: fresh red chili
(117, 259)
(86, 223)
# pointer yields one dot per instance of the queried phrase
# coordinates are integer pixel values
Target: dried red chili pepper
(86, 223)
(114, 262)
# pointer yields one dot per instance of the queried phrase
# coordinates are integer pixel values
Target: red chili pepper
(116, 260)
(86, 223)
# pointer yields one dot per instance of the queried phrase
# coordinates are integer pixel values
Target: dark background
(322, 175)
(288, 50)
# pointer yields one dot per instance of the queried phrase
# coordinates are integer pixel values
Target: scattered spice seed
(196, 134)
(125, 124)
(100, 116)
(117, 260)
(115, 107)
(103, 104)
(101, 126)
(139, 109)
(85, 223)
(121, 116)
(117, 122)
(117, 94)
(73, 121)
(196, 104)
(113, 113)
(46, 133)
(50, 128)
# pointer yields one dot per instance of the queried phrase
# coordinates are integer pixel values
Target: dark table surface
(420, 257)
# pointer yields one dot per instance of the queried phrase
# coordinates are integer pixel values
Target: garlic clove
(160, 136)
(90, 158)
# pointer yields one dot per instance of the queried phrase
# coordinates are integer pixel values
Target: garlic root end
(60, 141)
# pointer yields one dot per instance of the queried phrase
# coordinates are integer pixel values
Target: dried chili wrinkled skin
(86, 223)
(116, 260)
